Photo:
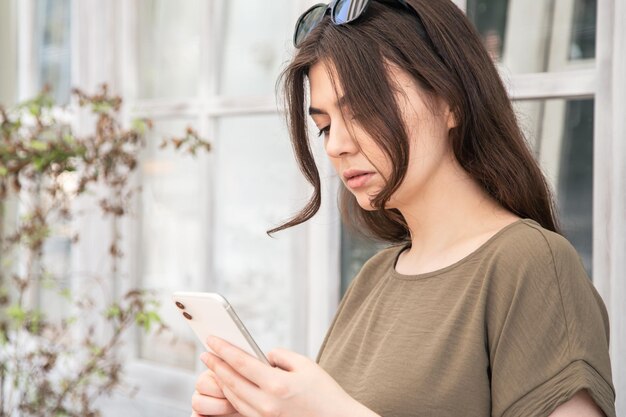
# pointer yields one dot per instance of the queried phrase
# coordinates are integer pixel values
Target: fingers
(206, 385)
(287, 360)
(236, 387)
(241, 405)
(210, 406)
(244, 364)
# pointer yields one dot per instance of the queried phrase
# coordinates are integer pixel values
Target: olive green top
(513, 329)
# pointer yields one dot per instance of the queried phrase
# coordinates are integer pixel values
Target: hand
(209, 400)
(295, 386)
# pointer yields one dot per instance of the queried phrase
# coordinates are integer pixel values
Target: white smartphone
(209, 314)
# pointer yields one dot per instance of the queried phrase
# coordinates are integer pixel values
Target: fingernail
(204, 357)
(211, 340)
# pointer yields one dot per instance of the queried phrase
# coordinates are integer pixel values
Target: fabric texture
(514, 329)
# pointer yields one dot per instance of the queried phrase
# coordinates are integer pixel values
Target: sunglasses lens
(307, 22)
(347, 10)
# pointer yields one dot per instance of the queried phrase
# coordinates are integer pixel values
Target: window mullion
(26, 56)
(566, 84)
(462, 4)
(610, 180)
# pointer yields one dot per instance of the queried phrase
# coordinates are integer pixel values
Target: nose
(340, 141)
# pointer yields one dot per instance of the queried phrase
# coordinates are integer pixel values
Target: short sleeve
(547, 330)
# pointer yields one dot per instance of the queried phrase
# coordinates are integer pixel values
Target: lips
(355, 178)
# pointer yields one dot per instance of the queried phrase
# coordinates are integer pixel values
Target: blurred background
(200, 223)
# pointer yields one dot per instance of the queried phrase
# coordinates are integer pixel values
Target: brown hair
(442, 51)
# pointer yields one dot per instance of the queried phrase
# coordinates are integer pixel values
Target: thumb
(286, 359)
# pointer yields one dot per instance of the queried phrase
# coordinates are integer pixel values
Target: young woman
(479, 307)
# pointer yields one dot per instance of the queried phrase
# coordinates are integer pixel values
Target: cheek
(335, 162)
(377, 159)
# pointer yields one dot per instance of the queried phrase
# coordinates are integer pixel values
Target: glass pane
(537, 36)
(583, 42)
(257, 34)
(254, 190)
(173, 241)
(575, 181)
(561, 132)
(53, 47)
(489, 17)
(355, 251)
(57, 261)
(169, 48)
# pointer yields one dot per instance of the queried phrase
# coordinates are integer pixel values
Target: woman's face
(360, 163)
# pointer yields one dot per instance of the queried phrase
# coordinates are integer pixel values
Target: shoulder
(525, 244)
(528, 260)
(546, 325)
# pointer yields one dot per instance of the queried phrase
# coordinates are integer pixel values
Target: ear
(451, 121)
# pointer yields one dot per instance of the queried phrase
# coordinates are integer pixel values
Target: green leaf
(68, 138)
(16, 313)
(146, 319)
(34, 325)
(39, 163)
(48, 282)
(3, 171)
(46, 101)
(140, 126)
(38, 145)
(101, 107)
(113, 312)
(34, 108)
(66, 293)
(154, 316)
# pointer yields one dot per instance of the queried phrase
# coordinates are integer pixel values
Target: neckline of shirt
(395, 274)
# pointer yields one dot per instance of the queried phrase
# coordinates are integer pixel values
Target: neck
(450, 217)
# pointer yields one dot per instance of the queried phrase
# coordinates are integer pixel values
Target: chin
(365, 203)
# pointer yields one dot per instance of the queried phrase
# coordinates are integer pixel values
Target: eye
(324, 131)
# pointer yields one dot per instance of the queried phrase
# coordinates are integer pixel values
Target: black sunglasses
(341, 12)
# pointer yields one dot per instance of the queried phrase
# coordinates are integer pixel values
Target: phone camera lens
(187, 315)
(180, 305)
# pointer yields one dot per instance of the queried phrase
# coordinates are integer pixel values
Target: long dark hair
(442, 51)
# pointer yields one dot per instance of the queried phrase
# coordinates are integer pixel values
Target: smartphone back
(210, 314)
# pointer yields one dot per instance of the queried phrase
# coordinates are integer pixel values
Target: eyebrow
(341, 102)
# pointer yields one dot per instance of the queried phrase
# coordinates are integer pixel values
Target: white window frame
(8, 44)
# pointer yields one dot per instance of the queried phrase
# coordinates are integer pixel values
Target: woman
(479, 307)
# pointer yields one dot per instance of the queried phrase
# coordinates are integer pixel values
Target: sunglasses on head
(341, 12)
